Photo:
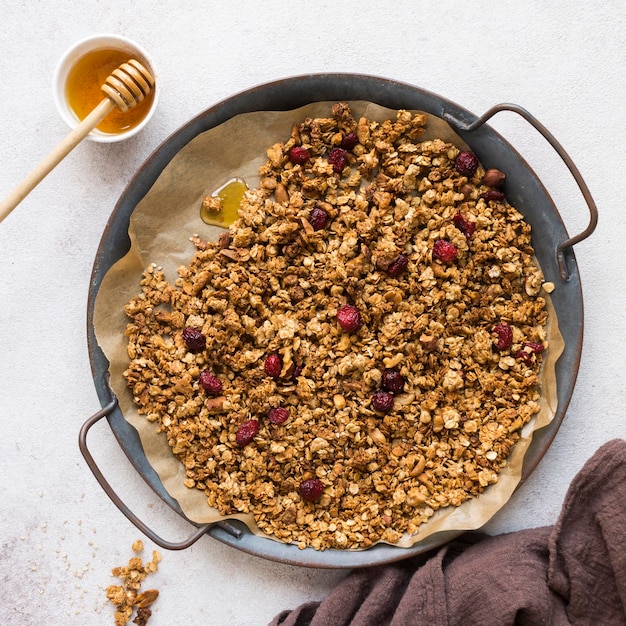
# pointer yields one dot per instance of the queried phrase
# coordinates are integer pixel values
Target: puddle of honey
(230, 195)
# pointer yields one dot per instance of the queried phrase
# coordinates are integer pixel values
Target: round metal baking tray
(553, 247)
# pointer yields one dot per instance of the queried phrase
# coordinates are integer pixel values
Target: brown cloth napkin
(571, 573)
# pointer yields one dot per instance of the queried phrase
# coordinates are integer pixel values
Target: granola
(439, 267)
(128, 598)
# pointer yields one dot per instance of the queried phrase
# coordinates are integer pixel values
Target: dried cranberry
(298, 155)
(466, 226)
(534, 346)
(318, 218)
(278, 415)
(466, 163)
(444, 251)
(338, 158)
(504, 334)
(382, 401)
(392, 381)
(493, 195)
(528, 349)
(297, 370)
(349, 141)
(311, 489)
(398, 267)
(210, 383)
(273, 365)
(247, 432)
(349, 318)
(194, 339)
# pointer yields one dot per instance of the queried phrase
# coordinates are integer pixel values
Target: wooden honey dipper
(125, 88)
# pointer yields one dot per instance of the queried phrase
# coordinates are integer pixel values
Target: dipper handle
(126, 87)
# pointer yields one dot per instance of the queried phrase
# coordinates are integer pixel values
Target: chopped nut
(280, 193)
(146, 598)
(339, 401)
(143, 614)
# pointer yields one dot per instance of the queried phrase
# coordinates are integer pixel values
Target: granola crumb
(212, 204)
(127, 597)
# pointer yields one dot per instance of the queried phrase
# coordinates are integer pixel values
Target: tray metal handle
(533, 121)
(148, 532)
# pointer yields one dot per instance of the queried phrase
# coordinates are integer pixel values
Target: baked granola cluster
(360, 349)
(127, 598)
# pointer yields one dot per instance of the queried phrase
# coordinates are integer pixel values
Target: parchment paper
(160, 228)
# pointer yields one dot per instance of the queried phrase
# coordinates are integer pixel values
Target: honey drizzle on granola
(221, 208)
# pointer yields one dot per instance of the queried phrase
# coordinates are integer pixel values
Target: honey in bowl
(83, 89)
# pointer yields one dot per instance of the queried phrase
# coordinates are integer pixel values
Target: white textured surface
(59, 533)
